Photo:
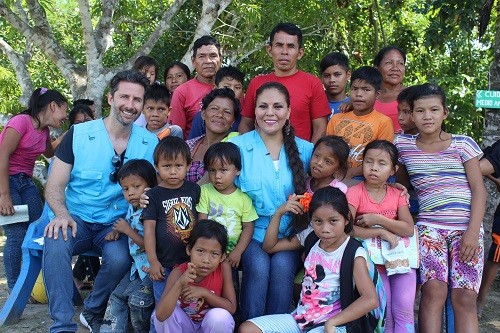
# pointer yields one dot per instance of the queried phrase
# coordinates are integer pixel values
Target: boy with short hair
(364, 124)
(156, 110)
(404, 112)
(225, 203)
(227, 77)
(335, 73)
(170, 214)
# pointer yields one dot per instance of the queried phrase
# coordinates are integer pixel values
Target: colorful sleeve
(249, 214)
(202, 206)
(469, 149)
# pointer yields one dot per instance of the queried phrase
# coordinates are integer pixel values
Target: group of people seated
(207, 203)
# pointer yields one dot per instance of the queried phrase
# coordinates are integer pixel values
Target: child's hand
(390, 237)
(234, 258)
(190, 291)
(121, 225)
(6, 206)
(345, 107)
(469, 246)
(292, 205)
(329, 328)
(112, 235)
(144, 200)
(156, 271)
(188, 276)
(367, 220)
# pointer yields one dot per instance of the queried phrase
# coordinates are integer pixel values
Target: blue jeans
(58, 277)
(134, 297)
(23, 191)
(267, 282)
(159, 286)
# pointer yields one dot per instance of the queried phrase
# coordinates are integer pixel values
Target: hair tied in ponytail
(43, 91)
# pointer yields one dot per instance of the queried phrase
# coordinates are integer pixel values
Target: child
(382, 213)
(199, 296)
(335, 73)
(319, 307)
(156, 110)
(364, 124)
(79, 114)
(444, 170)
(175, 74)
(170, 214)
(226, 77)
(328, 164)
(25, 137)
(149, 67)
(404, 112)
(134, 293)
(223, 202)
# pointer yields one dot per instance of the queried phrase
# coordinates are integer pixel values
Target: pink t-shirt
(358, 197)
(186, 102)
(334, 183)
(390, 109)
(307, 100)
(33, 143)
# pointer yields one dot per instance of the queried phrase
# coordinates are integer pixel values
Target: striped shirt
(440, 180)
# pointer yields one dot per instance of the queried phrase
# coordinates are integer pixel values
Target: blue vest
(90, 194)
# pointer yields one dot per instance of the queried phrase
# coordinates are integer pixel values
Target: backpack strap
(348, 293)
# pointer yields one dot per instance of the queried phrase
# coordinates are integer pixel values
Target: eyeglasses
(116, 162)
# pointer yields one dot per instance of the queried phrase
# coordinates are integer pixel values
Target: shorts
(439, 258)
(494, 254)
(286, 323)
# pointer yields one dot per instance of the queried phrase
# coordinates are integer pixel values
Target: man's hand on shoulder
(60, 222)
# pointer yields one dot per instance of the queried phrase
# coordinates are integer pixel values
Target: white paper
(21, 215)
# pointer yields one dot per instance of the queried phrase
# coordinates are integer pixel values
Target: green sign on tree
(489, 99)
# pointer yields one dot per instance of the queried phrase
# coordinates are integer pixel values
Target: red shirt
(307, 100)
(186, 102)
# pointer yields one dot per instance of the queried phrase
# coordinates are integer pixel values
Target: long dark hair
(299, 222)
(40, 99)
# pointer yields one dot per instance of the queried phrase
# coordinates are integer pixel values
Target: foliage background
(440, 38)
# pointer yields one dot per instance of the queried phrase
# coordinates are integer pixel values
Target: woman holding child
(273, 168)
(219, 111)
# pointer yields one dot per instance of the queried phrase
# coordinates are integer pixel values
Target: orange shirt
(358, 131)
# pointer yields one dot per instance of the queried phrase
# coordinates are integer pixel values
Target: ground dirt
(36, 319)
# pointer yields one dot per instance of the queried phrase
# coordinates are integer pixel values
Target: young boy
(156, 110)
(134, 293)
(364, 124)
(227, 77)
(170, 214)
(223, 202)
(335, 73)
(404, 112)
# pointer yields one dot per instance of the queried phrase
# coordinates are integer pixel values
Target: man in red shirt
(187, 97)
(309, 106)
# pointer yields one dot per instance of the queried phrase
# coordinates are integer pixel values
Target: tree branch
(102, 32)
(21, 69)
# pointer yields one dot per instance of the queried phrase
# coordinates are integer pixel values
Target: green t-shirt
(230, 210)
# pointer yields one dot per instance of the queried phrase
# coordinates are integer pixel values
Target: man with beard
(86, 199)
(186, 100)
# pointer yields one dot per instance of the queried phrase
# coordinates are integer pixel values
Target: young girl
(319, 306)
(328, 164)
(382, 213)
(444, 170)
(199, 296)
(23, 139)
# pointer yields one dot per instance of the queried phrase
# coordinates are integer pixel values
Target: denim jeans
(159, 286)
(134, 297)
(267, 282)
(57, 274)
(23, 191)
